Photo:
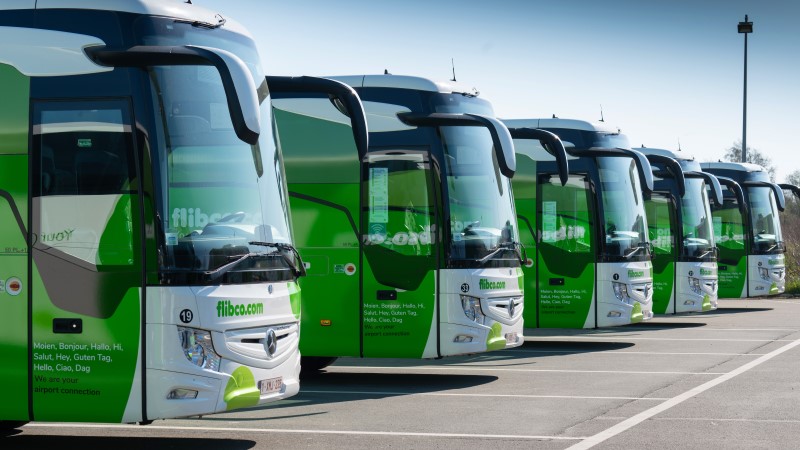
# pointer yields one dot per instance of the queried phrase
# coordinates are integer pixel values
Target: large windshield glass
(482, 220)
(221, 200)
(698, 234)
(767, 236)
(623, 213)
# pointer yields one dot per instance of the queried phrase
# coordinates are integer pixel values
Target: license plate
(512, 338)
(270, 386)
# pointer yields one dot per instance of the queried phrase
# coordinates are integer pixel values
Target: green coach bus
(146, 259)
(412, 248)
(591, 266)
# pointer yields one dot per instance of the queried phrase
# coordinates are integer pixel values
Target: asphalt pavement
(725, 379)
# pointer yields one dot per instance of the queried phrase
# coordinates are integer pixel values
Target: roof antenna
(679, 144)
(554, 116)
(453, 64)
(601, 114)
(386, 72)
(188, 1)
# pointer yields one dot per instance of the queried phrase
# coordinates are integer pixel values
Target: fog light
(689, 303)
(461, 338)
(614, 314)
(197, 348)
(182, 394)
(764, 272)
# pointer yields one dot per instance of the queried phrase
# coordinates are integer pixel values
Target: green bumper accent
(495, 340)
(706, 303)
(241, 391)
(636, 313)
(773, 290)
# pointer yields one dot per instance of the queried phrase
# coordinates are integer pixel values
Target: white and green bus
(146, 259)
(411, 245)
(591, 266)
(750, 241)
(681, 231)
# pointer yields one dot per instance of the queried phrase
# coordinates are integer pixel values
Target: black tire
(311, 365)
(8, 425)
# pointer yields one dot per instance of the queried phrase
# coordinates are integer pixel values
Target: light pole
(745, 28)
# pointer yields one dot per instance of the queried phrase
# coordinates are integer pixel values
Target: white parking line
(708, 419)
(625, 352)
(447, 394)
(626, 338)
(642, 416)
(290, 431)
(474, 368)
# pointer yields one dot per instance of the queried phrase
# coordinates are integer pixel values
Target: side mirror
(673, 167)
(240, 88)
(644, 168)
(350, 101)
(501, 138)
(779, 197)
(734, 187)
(551, 143)
(716, 189)
(792, 188)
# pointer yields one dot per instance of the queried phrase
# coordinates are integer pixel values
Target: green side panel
(566, 255)
(730, 238)
(398, 329)
(14, 283)
(663, 282)
(566, 305)
(660, 223)
(329, 247)
(14, 288)
(316, 151)
(524, 186)
(83, 377)
(14, 111)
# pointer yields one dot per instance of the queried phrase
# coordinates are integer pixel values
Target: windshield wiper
(632, 251)
(298, 268)
(775, 245)
(514, 246)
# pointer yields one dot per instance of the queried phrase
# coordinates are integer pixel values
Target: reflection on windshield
(623, 210)
(697, 225)
(767, 235)
(220, 198)
(482, 221)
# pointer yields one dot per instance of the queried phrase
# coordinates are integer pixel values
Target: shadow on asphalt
(736, 310)
(556, 348)
(663, 325)
(319, 389)
(28, 442)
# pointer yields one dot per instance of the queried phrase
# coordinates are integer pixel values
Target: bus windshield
(483, 227)
(698, 242)
(622, 210)
(222, 201)
(767, 236)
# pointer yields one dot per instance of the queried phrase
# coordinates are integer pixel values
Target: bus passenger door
(565, 254)
(661, 220)
(399, 224)
(731, 240)
(87, 265)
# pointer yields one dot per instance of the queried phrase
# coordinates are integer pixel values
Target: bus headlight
(620, 290)
(472, 309)
(764, 273)
(197, 347)
(694, 284)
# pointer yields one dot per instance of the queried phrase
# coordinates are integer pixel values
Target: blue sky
(663, 71)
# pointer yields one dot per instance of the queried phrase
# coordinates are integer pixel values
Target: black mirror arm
(674, 168)
(346, 94)
(551, 143)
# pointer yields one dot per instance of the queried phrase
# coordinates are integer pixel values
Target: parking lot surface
(723, 379)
